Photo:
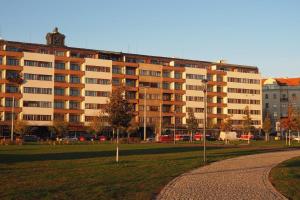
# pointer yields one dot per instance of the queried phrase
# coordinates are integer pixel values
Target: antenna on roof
(1, 33)
(128, 48)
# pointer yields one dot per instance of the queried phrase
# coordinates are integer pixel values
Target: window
(12, 89)
(97, 68)
(244, 91)
(35, 90)
(166, 85)
(167, 97)
(274, 96)
(74, 92)
(37, 104)
(167, 74)
(34, 63)
(95, 106)
(74, 79)
(59, 117)
(1, 60)
(97, 81)
(150, 73)
(74, 118)
(59, 91)
(116, 70)
(130, 83)
(130, 71)
(8, 116)
(74, 105)
(130, 95)
(59, 53)
(75, 67)
(12, 62)
(194, 98)
(59, 78)
(149, 84)
(194, 87)
(243, 80)
(178, 75)
(96, 93)
(37, 117)
(39, 77)
(195, 76)
(12, 74)
(266, 96)
(59, 65)
(116, 81)
(178, 86)
(9, 102)
(178, 97)
(59, 104)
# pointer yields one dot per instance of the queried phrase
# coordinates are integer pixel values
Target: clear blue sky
(264, 33)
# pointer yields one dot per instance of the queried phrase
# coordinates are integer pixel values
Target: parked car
(166, 138)
(70, 139)
(30, 138)
(198, 137)
(296, 138)
(102, 138)
(246, 137)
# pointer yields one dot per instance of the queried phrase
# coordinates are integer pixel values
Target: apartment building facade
(73, 84)
(278, 94)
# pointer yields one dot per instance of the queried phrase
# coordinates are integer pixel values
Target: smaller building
(278, 94)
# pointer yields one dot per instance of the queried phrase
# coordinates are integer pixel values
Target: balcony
(75, 67)
(12, 62)
(284, 99)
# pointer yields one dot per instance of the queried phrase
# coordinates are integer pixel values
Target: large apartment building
(278, 94)
(73, 84)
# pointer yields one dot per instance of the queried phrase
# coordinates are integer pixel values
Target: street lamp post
(204, 81)
(174, 124)
(145, 110)
(12, 120)
(249, 133)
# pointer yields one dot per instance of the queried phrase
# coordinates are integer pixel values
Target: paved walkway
(244, 177)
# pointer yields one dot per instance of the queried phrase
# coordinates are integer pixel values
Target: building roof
(282, 81)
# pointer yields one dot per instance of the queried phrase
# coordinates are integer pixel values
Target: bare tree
(298, 124)
(132, 128)
(96, 125)
(120, 113)
(191, 123)
(289, 123)
(60, 127)
(267, 126)
(226, 126)
(247, 123)
(21, 127)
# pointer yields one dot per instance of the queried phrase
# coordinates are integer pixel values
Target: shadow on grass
(17, 158)
(292, 163)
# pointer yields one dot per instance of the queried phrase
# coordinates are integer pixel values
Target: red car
(246, 137)
(102, 138)
(166, 138)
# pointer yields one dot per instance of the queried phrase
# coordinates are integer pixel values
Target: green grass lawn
(89, 171)
(286, 178)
